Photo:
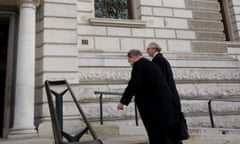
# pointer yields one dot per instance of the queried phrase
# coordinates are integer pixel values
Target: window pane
(100, 12)
(99, 3)
(123, 13)
(112, 12)
(111, 9)
(123, 4)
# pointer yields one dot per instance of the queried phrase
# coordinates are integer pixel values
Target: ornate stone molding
(206, 75)
(86, 75)
(104, 75)
(209, 90)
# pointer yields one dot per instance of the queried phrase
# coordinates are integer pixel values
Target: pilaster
(25, 71)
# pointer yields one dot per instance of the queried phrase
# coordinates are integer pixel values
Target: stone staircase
(199, 77)
(198, 135)
(216, 76)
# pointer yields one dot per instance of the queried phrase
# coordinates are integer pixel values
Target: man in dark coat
(152, 96)
(153, 51)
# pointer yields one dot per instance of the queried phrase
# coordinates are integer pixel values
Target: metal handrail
(56, 113)
(210, 107)
(136, 113)
(101, 103)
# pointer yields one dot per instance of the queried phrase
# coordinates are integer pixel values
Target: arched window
(117, 9)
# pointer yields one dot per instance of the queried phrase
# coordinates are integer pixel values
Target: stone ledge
(117, 22)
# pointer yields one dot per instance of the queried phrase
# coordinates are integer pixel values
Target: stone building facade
(75, 40)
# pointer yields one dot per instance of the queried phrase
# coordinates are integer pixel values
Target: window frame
(106, 15)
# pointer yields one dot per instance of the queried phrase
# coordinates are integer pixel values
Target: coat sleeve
(133, 84)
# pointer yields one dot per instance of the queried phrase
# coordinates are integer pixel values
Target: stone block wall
(90, 53)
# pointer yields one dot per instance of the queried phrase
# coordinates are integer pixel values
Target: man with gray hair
(152, 97)
(153, 51)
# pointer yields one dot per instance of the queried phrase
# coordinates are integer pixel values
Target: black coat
(165, 67)
(152, 96)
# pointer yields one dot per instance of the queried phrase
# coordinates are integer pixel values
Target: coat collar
(157, 55)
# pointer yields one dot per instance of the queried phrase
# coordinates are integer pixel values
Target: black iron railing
(102, 93)
(56, 113)
(210, 107)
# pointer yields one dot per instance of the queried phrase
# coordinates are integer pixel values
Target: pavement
(197, 136)
(105, 140)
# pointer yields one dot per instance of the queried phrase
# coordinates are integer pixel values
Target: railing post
(210, 113)
(101, 105)
(101, 109)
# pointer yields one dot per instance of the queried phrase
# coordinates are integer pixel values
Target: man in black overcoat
(152, 96)
(153, 51)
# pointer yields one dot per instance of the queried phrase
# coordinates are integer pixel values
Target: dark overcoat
(152, 96)
(166, 69)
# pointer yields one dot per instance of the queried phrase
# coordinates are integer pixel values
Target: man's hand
(120, 106)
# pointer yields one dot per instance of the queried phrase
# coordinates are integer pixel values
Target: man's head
(153, 48)
(133, 56)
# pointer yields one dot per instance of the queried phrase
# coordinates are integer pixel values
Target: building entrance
(4, 31)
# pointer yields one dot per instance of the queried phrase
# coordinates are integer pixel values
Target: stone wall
(91, 54)
(234, 6)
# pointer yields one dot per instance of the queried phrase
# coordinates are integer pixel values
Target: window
(117, 9)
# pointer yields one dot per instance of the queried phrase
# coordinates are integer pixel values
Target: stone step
(198, 135)
(225, 114)
(112, 134)
(213, 136)
(202, 51)
(205, 63)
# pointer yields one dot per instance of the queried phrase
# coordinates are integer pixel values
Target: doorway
(4, 35)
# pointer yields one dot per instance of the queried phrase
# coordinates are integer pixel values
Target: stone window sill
(117, 22)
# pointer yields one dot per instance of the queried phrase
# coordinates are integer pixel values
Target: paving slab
(197, 136)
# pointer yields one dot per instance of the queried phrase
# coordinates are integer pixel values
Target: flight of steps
(198, 135)
(199, 77)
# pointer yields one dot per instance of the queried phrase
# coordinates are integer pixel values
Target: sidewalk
(197, 136)
(105, 139)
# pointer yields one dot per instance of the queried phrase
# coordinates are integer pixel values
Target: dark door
(4, 29)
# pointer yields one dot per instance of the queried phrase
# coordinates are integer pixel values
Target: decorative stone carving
(104, 75)
(107, 75)
(205, 90)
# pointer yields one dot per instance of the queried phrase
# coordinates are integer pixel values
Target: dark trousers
(163, 141)
(176, 142)
(159, 137)
(160, 140)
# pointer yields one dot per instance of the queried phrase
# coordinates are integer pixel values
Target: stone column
(25, 72)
